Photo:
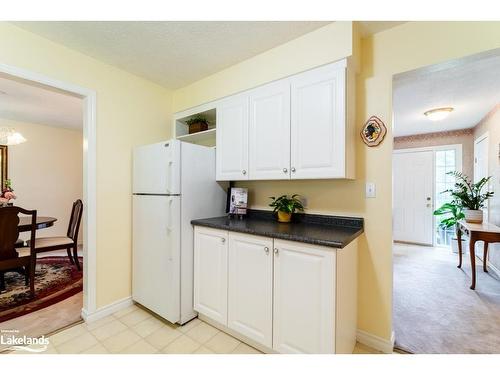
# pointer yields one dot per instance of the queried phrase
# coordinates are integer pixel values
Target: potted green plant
(197, 124)
(470, 196)
(453, 214)
(285, 206)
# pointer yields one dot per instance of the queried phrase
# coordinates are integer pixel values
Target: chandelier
(10, 137)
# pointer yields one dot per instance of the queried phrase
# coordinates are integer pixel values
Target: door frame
(483, 137)
(89, 174)
(458, 159)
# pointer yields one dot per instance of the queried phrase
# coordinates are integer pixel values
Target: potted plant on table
(469, 196)
(285, 207)
(197, 124)
(454, 214)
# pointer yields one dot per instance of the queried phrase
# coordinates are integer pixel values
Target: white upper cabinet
(304, 299)
(318, 122)
(232, 138)
(299, 127)
(250, 287)
(269, 132)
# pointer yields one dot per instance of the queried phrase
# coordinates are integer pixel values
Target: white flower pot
(473, 216)
(454, 245)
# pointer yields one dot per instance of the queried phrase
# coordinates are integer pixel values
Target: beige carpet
(434, 309)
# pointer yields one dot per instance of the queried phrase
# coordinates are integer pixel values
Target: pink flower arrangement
(7, 193)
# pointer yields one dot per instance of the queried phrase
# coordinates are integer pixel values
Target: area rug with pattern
(55, 280)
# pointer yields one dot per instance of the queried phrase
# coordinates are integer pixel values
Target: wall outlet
(370, 190)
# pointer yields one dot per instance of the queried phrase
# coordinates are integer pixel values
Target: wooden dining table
(486, 232)
(41, 223)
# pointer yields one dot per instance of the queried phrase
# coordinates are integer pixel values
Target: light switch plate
(370, 190)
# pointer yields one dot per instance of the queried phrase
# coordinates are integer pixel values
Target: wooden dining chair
(70, 242)
(10, 258)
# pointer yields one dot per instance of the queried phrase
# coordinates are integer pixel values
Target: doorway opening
(431, 295)
(44, 110)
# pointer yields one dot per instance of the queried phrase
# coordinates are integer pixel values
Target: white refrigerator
(173, 183)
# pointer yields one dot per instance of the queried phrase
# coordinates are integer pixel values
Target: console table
(485, 232)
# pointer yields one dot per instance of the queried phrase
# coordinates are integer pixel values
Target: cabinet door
(210, 273)
(318, 123)
(232, 139)
(250, 287)
(269, 132)
(304, 298)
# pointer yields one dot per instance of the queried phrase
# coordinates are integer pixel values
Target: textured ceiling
(471, 86)
(173, 54)
(26, 102)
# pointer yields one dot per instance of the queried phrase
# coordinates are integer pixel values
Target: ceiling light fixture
(10, 137)
(438, 114)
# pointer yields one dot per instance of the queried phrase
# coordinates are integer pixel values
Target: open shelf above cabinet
(199, 137)
(206, 137)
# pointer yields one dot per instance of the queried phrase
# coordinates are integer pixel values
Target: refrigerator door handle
(169, 176)
(169, 228)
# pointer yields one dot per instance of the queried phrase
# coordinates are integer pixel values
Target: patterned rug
(55, 280)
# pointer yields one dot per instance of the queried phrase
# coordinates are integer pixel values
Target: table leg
(459, 239)
(472, 251)
(485, 257)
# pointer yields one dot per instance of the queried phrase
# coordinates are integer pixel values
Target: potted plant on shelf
(285, 207)
(454, 214)
(197, 124)
(469, 196)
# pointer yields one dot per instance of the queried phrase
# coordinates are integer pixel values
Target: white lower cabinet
(304, 299)
(210, 273)
(283, 296)
(250, 287)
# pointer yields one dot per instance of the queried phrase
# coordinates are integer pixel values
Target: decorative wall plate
(373, 132)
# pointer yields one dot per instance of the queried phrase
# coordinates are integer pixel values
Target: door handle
(285, 170)
(293, 169)
(223, 240)
(276, 251)
(266, 249)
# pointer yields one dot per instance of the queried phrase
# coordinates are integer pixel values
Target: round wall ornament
(373, 131)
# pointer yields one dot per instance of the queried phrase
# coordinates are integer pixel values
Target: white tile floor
(136, 331)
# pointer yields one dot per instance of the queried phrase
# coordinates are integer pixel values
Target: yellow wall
(329, 43)
(400, 49)
(130, 111)
(47, 172)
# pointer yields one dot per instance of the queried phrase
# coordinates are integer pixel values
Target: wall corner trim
(107, 310)
(376, 342)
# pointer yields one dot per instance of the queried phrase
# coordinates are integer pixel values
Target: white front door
(413, 176)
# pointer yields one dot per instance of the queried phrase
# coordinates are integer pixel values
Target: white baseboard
(107, 310)
(375, 342)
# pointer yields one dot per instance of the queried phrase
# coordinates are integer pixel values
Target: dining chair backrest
(75, 219)
(9, 231)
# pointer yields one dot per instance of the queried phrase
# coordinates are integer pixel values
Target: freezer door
(156, 254)
(156, 168)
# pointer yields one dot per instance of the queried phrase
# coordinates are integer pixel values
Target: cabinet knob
(244, 172)
(285, 170)
(293, 169)
(223, 240)
(266, 249)
(276, 250)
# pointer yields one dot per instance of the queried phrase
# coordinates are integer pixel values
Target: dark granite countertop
(323, 230)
